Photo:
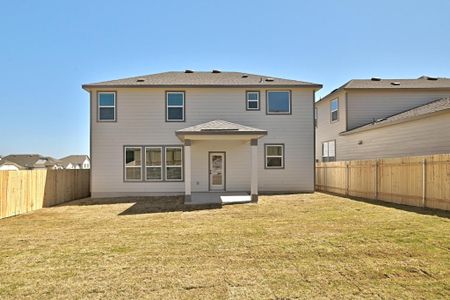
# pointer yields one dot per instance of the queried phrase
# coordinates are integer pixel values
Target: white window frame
(334, 110)
(278, 113)
(99, 106)
(160, 166)
(326, 156)
(173, 166)
(175, 106)
(125, 163)
(247, 93)
(267, 156)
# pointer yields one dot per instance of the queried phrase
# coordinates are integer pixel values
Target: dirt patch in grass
(287, 246)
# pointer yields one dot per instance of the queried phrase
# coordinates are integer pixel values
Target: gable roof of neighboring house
(423, 82)
(73, 159)
(32, 160)
(220, 127)
(202, 79)
(435, 106)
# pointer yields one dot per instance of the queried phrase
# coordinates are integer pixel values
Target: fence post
(347, 178)
(424, 182)
(376, 179)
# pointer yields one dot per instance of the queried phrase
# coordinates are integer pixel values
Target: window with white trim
(133, 163)
(334, 110)
(329, 151)
(278, 102)
(106, 102)
(175, 106)
(153, 163)
(174, 163)
(274, 156)
(252, 102)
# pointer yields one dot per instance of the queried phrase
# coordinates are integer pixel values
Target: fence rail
(422, 181)
(24, 191)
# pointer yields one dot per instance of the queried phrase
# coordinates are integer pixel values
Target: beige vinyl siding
(366, 105)
(430, 135)
(327, 130)
(141, 121)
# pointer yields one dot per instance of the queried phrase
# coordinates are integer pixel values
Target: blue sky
(49, 48)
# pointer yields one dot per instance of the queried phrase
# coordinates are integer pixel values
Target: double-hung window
(274, 156)
(106, 110)
(174, 163)
(329, 151)
(334, 110)
(153, 163)
(278, 102)
(175, 107)
(133, 163)
(252, 100)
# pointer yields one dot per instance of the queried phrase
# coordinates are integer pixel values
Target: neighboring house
(76, 162)
(188, 132)
(33, 161)
(6, 165)
(377, 118)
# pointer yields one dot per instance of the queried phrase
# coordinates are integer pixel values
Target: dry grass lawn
(289, 246)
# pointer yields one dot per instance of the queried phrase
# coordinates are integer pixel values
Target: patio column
(254, 170)
(187, 170)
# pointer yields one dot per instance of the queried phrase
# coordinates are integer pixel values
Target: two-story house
(378, 118)
(193, 133)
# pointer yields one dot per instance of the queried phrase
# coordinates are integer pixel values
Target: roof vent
(395, 83)
(140, 80)
(244, 76)
(375, 79)
(188, 71)
(216, 71)
(269, 79)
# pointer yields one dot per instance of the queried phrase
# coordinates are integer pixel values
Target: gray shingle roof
(423, 110)
(201, 79)
(32, 160)
(73, 159)
(423, 82)
(221, 127)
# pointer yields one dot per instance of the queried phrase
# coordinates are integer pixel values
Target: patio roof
(220, 129)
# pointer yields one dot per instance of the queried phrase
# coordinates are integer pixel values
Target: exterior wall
(141, 121)
(418, 137)
(7, 167)
(327, 130)
(366, 105)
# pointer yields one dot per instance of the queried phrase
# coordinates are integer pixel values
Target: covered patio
(211, 140)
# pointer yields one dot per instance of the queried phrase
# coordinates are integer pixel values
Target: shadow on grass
(418, 210)
(145, 205)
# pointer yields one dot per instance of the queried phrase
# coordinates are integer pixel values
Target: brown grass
(290, 246)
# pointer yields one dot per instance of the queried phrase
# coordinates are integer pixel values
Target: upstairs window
(274, 156)
(175, 106)
(252, 100)
(278, 102)
(106, 106)
(133, 163)
(329, 151)
(334, 108)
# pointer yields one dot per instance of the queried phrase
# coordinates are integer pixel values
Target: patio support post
(187, 170)
(254, 170)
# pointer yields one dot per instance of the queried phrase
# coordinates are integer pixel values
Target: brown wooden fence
(24, 191)
(422, 181)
